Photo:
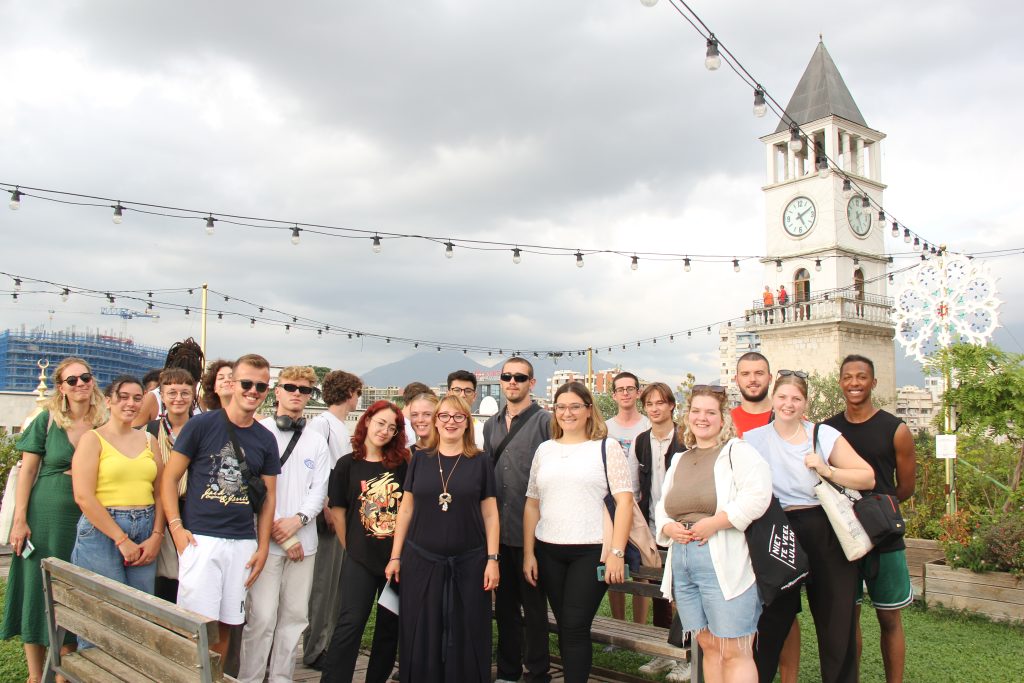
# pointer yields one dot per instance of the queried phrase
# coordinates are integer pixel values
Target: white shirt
(335, 432)
(658, 449)
(791, 478)
(569, 482)
(302, 484)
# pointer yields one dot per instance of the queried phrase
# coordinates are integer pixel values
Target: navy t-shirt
(216, 503)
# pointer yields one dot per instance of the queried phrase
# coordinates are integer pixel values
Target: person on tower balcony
(783, 299)
(769, 300)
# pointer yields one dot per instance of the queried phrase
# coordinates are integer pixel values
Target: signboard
(945, 446)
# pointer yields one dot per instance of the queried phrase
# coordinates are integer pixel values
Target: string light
(795, 143)
(881, 216)
(17, 284)
(376, 244)
(209, 224)
(906, 234)
(736, 265)
(847, 186)
(635, 263)
(295, 236)
(917, 243)
(822, 164)
(760, 107)
(64, 294)
(686, 264)
(220, 317)
(713, 60)
(449, 250)
(287, 328)
(648, 3)
(778, 266)
(252, 323)
(579, 259)
(118, 214)
(187, 311)
(15, 203)
(895, 229)
(14, 297)
(865, 202)
(517, 256)
(817, 265)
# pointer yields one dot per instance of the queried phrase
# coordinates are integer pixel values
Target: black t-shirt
(216, 503)
(371, 496)
(873, 441)
(461, 527)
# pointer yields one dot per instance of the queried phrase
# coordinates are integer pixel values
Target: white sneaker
(657, 666)
(680, 673)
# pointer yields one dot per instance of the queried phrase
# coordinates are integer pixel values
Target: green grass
(12, 654)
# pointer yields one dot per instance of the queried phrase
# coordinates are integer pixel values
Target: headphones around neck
(286, 424)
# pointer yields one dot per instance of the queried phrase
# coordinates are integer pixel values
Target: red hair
(394, 452)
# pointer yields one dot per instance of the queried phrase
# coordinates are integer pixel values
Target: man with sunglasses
(280, 596)
(220, 552)
(511, 437)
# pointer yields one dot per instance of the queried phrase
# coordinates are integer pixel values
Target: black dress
(445, 614)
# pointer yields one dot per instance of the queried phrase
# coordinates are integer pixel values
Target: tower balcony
(839, 306)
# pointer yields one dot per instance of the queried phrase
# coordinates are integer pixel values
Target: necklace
(445, 498)
(795, 432)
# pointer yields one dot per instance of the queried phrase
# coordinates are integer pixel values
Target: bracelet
(396, 559)
(156, 531)
(176, 519)
(123, 539)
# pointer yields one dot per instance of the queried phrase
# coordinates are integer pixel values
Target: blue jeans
(95, 551)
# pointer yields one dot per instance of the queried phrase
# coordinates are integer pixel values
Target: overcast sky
(572, 123)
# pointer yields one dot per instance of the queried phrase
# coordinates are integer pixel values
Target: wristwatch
(496, 557)
(618, 553)
(303, 518)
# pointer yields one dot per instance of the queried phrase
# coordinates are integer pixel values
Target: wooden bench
(138, 638)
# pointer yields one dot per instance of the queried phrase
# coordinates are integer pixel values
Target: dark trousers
(831, 591)
(568, 577)
(360, 589)
(522, 616)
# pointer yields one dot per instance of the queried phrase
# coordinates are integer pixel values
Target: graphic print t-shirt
(371, 496)
(216, 503)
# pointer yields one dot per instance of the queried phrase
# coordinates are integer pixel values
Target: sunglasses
(292, 388)
(248, 384)
(713, 388)
(796, 373)
(517, 376)
(72, 380)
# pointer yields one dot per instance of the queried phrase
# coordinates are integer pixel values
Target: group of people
(212, 508)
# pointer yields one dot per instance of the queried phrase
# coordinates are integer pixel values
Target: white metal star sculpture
(946, 300)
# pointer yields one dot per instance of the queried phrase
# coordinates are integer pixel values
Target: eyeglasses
(72, 380)
(624, 390)
(462, 391)
(797, 373)
(292, 388)
(517, 376)
(381, 424)
(570, 407)
(248, 384)
(713, 388)
(457, 418)
(175, 395)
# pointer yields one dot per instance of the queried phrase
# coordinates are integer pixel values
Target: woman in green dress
(45, 513)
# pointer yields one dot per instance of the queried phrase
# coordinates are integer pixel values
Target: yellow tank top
(122, 481)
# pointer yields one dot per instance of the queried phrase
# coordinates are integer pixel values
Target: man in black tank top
(885, 442)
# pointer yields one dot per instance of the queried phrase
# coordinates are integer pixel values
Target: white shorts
(211, 577)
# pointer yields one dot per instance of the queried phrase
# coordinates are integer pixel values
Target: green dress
(52, 518)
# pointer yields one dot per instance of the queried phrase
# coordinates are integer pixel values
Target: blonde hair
(728, 429)
(298, 372)
(430, 398)
(596, 428)
(469, 447)
(799, 382)
(58, 405)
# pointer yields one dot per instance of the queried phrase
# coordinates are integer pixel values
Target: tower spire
(821, 92)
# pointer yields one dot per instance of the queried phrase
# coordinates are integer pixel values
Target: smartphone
(600, 573)
(27, 549)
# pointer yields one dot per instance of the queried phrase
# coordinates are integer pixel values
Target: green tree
(321, 372)
(607, 405)
(9, 455)
(826, 398)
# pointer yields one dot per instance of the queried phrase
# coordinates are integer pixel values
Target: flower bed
(998, 595)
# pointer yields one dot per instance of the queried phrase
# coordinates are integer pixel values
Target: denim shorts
(699, 599)
(95, 551)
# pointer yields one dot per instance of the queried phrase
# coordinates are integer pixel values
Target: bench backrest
(137, 636)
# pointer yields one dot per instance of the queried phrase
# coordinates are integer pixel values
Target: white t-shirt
(792, 481)
(302, 484)
(335, 432)
(569, 482)
(625, 436)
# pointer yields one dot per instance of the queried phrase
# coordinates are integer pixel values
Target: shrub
(993, 542)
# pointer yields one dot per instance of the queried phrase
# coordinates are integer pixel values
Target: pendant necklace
(445, 498)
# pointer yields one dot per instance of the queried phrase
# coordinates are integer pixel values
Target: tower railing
(842, 305)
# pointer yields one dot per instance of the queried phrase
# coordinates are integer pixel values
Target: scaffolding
(108, 355)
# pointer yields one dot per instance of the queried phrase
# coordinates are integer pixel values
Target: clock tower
(825, 240)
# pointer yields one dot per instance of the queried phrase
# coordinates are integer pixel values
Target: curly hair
(394, 452)
(728, 429)
(211, 401)
(339, 386)
(186, 354)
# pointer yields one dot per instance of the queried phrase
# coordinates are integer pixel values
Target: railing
(844, 304)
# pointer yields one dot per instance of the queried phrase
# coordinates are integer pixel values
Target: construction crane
(126, 314)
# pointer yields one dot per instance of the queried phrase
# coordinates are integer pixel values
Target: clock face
(859, 217)
(799, 216)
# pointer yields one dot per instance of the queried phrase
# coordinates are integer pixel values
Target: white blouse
(569, 482)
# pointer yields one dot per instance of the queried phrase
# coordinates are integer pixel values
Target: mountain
(432, 368)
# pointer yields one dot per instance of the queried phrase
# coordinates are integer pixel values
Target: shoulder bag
(778, 559)
(838, 503)
(640, 536)
(517, 424)
(11, 492)
(255, 488)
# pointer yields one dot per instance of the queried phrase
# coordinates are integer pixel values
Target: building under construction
(108, 355)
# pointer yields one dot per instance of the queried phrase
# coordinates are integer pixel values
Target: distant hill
(432, 369)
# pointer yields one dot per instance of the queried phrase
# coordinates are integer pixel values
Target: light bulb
(856, 261)
(891, 279)
(15, 200)
(906, 234)
(847, 185)
(778, 266)
(319, 332)
(17, 284)
(376, 244)
(760, 107)
(14, 297)
(895, 229)
(917, 243)
(209, 225)
(252, 323)
(64, 295)
(648, 3)
(635, 264)
(823, 167)
(686, 264)
(449, 250)
(186, 310)
(865, 202)
(517, 256)
(579, 259)
(287, 329)
(795, 143)
(118, 214)
(736, 265)
(295, 235)
(713, 60)
(817, 265)
(220, 317)
(881, 216)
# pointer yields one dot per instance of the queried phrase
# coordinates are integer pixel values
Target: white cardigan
(744, 491)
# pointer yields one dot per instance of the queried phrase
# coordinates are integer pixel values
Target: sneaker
(657, 666)
(609, 648)
(506, 680)
(680, 673)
